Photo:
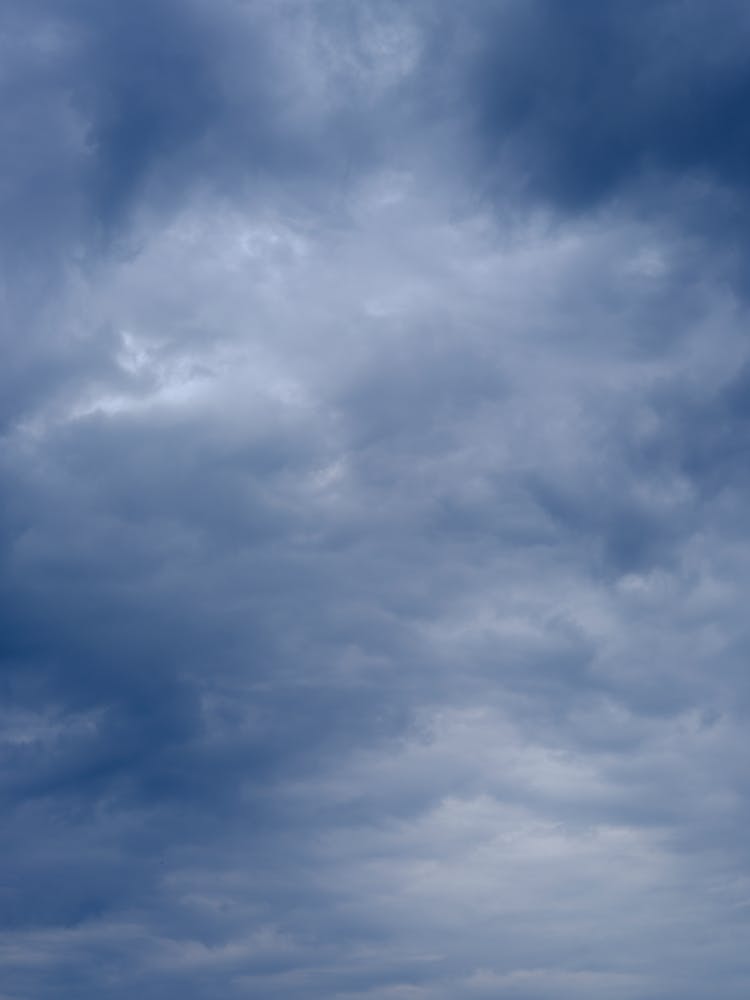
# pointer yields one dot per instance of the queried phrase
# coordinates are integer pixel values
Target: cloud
(372, 553)
(589, 100)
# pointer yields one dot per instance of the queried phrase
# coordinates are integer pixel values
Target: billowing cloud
(373, 538)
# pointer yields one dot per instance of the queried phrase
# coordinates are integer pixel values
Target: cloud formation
(373, 546)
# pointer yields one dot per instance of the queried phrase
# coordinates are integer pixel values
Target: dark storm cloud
(587, 100)
(109, 102)
(373, 558)
(112, 112)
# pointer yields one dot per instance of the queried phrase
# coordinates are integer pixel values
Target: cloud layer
(374, 545)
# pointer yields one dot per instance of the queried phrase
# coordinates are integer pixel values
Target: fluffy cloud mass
(374, 422)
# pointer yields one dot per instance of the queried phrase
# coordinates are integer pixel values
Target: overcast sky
(375, 525)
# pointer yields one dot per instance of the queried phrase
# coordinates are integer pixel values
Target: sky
(375, 532)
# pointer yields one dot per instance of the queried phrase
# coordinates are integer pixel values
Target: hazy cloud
(373, 539)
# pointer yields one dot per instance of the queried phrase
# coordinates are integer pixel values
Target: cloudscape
(375, 524)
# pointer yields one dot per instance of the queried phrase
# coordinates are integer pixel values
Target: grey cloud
(372, 560)
(587, 99)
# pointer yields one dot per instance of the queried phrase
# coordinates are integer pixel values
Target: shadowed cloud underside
(374, 539)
